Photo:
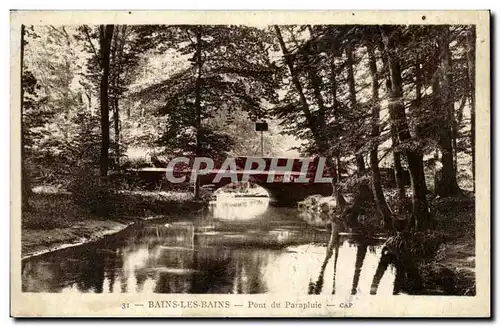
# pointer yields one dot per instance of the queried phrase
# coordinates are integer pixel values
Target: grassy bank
(455, 219)
(55, 221)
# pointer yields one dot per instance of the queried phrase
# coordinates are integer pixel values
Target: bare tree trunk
(375, 133)
(105, 37)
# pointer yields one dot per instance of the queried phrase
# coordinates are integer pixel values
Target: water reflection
(228, 207)
(270, 250)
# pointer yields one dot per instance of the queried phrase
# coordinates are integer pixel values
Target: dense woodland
(362, 96)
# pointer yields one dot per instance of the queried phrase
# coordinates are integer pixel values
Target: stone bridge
(283, 192)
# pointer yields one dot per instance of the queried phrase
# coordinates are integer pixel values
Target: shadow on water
(269, 251)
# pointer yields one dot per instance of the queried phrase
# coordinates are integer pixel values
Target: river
(238, 245)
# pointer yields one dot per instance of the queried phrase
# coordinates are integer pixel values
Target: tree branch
(85, 30)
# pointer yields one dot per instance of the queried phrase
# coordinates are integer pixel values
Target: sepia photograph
(333, 162)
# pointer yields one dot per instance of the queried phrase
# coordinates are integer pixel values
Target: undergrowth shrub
(95, 194)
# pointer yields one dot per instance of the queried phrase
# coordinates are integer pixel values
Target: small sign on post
(261, 127)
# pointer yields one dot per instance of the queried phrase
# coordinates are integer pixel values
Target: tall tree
(445, 101)
(124, 62)
(228, 69)
(375, 134)
(420, 217)
(396, 153)
(105, 38)
(471, 69)
(25, 183)
(314, 125)
(363, 188)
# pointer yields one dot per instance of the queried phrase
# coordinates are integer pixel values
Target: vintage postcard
(250, 164)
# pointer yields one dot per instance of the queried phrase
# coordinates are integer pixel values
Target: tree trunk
(378, 192)
(25, 180)
(360, 163)
(105, 37)
(320, 127)
(454, 138)
(457, 122)
(115, 72)
(398, 167)
(116, 125)
(420, 218)
(337, 162)
(197, 105)
(396, 155)
(471, 70)
(333, 79)
(448, 185)
(418, 102)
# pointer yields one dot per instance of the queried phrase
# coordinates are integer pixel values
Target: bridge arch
(280, 194)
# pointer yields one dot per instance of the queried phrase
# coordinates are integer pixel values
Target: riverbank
(456, 220)
(55, 221)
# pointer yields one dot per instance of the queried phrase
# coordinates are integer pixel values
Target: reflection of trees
(335, 266)
(379, 273)
(231, 208)
(84, 267)
(407, 278)
(362, 246)
(333, 243)
(186, 263)
(140, 278)
(173, 259)
(93, 273)
(228, 271)
(252, 264)
(217, 274)
(112, 278)
(360, 257)
(171, 283)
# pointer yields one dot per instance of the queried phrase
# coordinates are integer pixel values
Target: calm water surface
(237, 246)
